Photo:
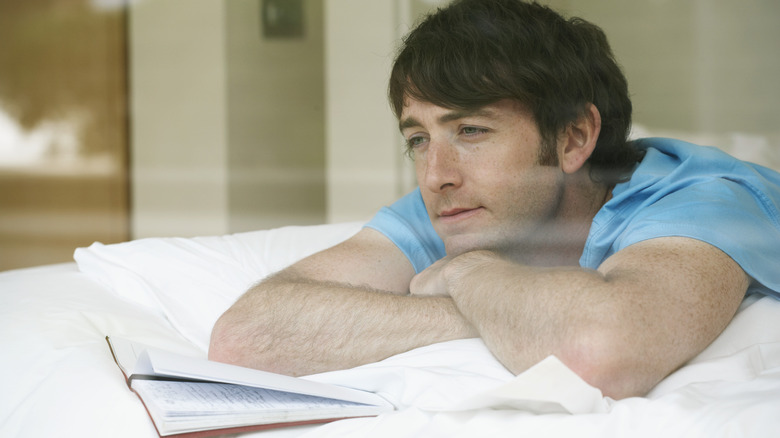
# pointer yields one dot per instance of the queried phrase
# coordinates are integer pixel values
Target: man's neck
(561, 241)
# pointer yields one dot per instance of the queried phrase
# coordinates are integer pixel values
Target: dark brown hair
(476, 52)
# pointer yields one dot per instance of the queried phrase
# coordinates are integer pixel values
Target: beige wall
(695, 65)
(233, 131)
(275, 121)
(178, 150)
(700, 70)
(227, 125)
(366, 165)
(364, 152)
(243, 133)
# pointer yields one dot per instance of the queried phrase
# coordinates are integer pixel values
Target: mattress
(58, 377)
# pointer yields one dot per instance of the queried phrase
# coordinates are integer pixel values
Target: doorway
(63, 129)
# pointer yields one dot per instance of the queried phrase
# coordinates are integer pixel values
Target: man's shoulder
(668, 160)
(407, 224)
(685, 190)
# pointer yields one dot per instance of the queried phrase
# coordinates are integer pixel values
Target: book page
(168, 364)
(138, 360)
(125, 354)
(175, 398)
(177, 406)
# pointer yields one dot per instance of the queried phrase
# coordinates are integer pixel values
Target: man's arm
(646, 311)
(345, 306)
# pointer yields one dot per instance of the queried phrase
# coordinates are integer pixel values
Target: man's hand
(442, 277)
(431, 281)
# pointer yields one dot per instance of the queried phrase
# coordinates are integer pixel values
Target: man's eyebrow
(450, 116)
(409, 122)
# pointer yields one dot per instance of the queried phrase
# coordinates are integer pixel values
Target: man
(536, 225)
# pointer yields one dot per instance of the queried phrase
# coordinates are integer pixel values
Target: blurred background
(128, 119)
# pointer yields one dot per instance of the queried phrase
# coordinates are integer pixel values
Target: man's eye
(473, 130)
(415, 142)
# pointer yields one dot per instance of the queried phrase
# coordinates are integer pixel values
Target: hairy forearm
(295, 326)
(524, 313)
(621, 328)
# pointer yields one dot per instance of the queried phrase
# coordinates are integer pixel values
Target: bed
(59, 379)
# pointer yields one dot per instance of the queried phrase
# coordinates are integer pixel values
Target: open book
(195, 397)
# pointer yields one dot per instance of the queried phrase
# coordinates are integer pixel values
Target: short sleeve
(724, 214)
(689, 191)
(407, 225)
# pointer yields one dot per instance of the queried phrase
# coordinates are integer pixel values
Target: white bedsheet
(58, 379)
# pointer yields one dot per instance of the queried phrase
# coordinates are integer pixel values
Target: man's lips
(458, 213)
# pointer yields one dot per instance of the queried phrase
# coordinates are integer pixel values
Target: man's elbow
(229, 342)
(615, 380)
(222, 345)
(604, 361)
(615, 369)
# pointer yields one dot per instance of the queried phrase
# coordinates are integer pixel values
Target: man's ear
(578, 141)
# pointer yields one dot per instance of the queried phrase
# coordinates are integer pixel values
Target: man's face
(479, 174)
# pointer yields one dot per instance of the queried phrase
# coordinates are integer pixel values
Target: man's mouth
(458, 213)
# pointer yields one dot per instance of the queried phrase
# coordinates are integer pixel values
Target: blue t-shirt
(678, 189)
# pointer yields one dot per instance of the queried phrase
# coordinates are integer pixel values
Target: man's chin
(457, 245)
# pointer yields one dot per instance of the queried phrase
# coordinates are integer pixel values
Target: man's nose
(441, 167)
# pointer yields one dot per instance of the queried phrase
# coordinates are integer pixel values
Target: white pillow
(192, 281)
